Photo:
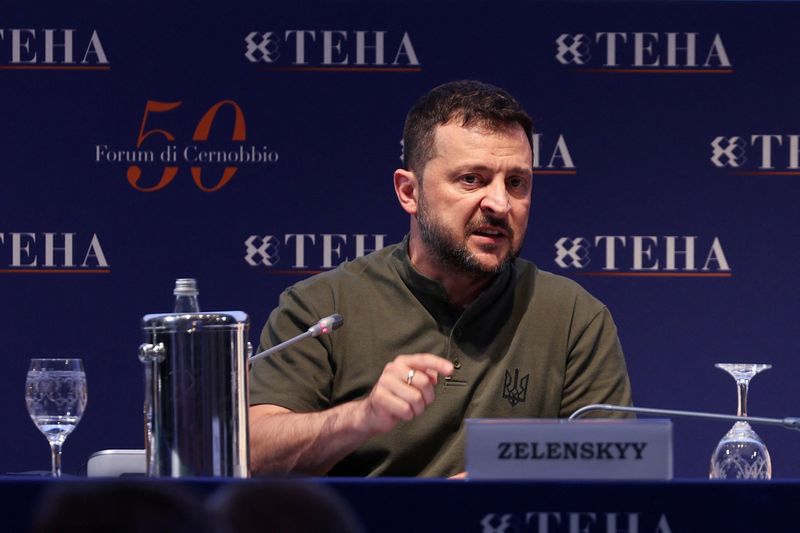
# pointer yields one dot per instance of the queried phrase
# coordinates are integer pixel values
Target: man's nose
(496, 199)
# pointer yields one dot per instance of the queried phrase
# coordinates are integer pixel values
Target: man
(447, 325)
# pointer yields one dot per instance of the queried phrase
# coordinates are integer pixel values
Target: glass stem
(741, 385)
(55, 453)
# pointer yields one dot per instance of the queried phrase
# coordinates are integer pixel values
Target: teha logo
(308, 253)
(642, 256)
(543, 521)
(643, 52)
(573, 49)
(54, 253)
(332, 50)
(572, 252)
(262, 47)
(758, 154)
(515, 390)
(51, 49)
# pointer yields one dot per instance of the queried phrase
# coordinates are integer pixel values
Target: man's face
(475, 198)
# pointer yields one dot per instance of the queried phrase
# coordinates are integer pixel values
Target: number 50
(201, 133)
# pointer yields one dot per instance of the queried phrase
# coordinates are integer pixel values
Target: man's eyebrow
(478, 167)
(526, 171)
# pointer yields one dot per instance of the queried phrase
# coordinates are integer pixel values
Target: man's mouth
(490, 232)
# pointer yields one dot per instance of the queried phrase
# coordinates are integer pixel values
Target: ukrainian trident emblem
(515, 389)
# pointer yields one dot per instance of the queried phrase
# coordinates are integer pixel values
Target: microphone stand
(323, 327)
(788, 422)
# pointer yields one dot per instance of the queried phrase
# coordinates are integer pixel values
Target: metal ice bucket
(196, 394)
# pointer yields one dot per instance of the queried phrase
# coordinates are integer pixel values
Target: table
(392, 504)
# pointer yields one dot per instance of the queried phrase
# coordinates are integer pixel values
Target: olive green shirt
(533, 344)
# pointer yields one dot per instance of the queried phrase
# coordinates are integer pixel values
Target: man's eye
(470, 179)
(517, 183)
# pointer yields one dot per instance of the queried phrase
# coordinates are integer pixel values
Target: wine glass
(741, 454)
(55, 393)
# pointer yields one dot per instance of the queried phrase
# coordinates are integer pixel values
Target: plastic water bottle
(186, 296)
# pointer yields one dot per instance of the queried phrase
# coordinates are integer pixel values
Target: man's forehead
(453, 134)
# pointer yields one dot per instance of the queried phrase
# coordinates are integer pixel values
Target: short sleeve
(299, 377)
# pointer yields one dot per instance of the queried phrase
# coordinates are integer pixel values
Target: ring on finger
(410, 376)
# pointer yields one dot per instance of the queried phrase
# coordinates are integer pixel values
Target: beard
(451, 250)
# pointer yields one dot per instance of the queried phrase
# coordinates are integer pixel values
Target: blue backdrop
(251, 144)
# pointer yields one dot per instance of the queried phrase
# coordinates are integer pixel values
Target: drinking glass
(741, 454)
(55, 393)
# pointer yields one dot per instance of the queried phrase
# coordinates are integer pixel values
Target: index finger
(425, 362)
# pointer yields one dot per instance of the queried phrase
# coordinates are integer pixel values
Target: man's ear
(406, 186)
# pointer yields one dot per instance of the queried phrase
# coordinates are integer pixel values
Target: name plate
(528, 448)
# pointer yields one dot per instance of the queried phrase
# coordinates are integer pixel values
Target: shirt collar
(432, 295)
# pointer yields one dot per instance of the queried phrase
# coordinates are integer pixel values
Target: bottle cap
(185, 287)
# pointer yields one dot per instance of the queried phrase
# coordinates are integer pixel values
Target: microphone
(788, 423)
(323, 327)
(326, 325)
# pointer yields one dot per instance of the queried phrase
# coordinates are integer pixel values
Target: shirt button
(456, 364)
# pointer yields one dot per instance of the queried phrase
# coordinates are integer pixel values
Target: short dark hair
(473, 102)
